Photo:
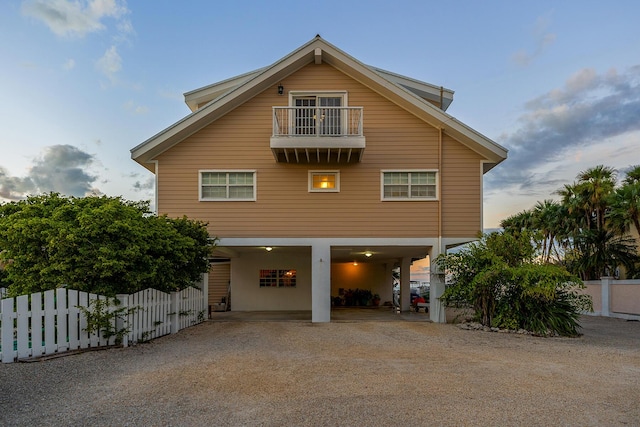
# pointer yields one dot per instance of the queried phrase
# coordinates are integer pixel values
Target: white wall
(246, 293)
(365, 275)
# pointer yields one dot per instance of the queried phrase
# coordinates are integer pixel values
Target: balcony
(317, 134)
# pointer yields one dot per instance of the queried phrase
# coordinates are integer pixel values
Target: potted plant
(375, 300)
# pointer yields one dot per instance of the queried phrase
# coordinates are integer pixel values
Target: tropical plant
(498, 278)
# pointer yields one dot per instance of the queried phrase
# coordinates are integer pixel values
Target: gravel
(373, 373)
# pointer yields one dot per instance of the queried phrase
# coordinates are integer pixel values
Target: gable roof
(198, 97)
(223, 97)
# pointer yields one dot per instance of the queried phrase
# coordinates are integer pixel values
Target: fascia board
(208, 93)
(421, 88)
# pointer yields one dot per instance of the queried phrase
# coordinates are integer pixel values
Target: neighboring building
(316, 163)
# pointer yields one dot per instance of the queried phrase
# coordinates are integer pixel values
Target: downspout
(440, 189)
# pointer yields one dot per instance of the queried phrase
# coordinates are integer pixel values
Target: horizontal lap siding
(395, 139)
(461, 190)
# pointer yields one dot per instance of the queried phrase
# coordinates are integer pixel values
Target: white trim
(322, 93)
(310, 175)
(227, 171)
(155, 190)
(408, 198)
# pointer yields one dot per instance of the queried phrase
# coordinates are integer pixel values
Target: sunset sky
(83, 82)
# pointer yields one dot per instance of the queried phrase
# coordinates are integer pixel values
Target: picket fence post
(174, 313)
(7, 315)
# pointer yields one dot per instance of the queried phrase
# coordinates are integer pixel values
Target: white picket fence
(51, 322)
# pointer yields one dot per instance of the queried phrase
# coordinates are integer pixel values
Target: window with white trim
(278, 278)
(324, 181)
(409, 185)
(216, 185)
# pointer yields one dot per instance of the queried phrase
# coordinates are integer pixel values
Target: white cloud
(69, 65)
(543, 39)
(135, 109)
(110, 63)
(75, 18)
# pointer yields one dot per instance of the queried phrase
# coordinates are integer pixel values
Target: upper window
(228, 185)
(409, 185)
(324, 181)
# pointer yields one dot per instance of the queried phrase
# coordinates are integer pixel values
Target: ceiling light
(368, 254)
(268, 248)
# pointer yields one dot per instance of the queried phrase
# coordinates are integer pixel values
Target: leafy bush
(103, 245)
(499, 279)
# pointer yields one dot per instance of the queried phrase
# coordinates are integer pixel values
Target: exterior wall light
(268, 248)
(280, 89)
(368, 254)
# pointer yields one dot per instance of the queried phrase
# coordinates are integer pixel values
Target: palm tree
(546, 220)
(593, 190)
(625, 208)
(599, 253)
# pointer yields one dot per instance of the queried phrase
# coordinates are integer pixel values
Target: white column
(388, 283)
(405, 284)
(321, 282)
(204, 287)
(436, 289)
(606, 295)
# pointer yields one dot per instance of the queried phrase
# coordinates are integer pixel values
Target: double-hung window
(409, 185)
(216, 185)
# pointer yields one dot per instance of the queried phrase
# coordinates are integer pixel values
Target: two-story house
(318, 174)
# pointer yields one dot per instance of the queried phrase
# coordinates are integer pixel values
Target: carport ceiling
(338, 253)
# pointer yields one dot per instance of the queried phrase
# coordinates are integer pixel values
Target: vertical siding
(284, 207)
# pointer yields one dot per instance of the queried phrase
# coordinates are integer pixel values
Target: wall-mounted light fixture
(268, 248)
(355, 262)
(280, 89)
(368, 254)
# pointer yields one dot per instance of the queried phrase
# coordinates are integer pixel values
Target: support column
(320, 282)
(436, 289)
(388, 294)
(405, 284)
(606, 296)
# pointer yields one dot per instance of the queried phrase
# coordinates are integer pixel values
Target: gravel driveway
(364, 373)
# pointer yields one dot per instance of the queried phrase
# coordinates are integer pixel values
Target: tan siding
(395, 140)
(219, 276)
(461, 190)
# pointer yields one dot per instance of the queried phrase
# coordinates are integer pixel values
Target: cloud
(110, 63)
(543, 39)
(69, 65)
(148, 184)
(61, 168)
(560, 126)
(135, 109)
(77, 18)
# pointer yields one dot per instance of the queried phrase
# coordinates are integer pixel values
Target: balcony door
(318, 115)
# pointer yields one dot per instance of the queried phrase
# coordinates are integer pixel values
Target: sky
(82, 82)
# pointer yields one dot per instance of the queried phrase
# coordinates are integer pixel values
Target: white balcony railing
(317, 121)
